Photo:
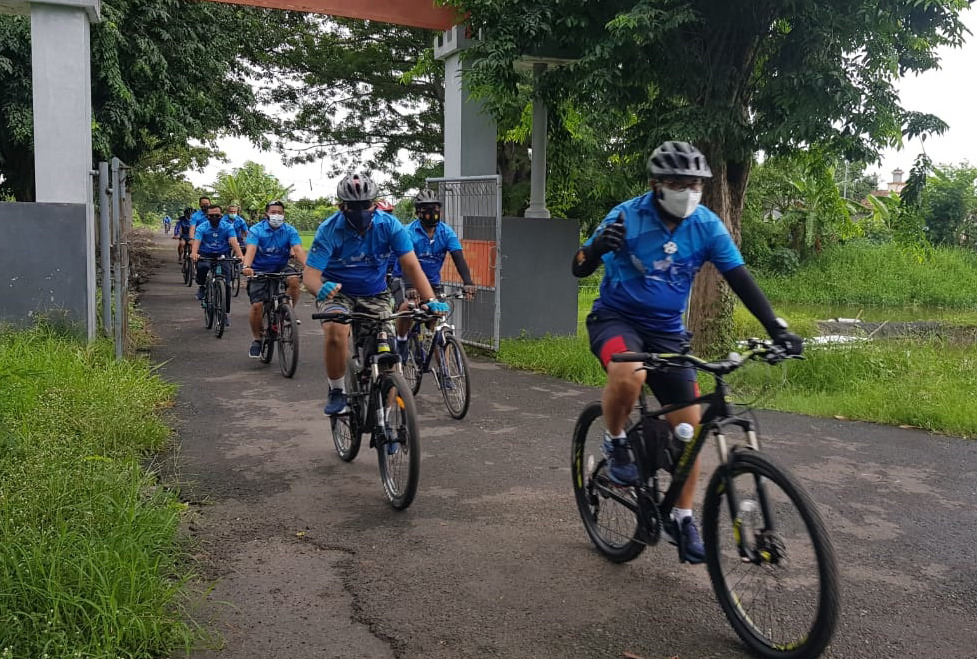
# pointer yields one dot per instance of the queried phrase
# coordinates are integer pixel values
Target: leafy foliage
(250, 187)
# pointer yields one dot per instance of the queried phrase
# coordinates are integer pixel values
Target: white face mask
(680, 204)
(276, 221)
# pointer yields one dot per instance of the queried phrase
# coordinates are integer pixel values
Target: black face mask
(214, 220)
(359, 218)
(429, 218)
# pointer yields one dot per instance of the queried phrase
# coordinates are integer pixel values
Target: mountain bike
(770, 561)
(216, 304)
(235, 280)
(278, 324)
(187, 266)
(450, 363)
(379, 401)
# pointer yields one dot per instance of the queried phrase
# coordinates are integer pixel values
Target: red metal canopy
(414, 13)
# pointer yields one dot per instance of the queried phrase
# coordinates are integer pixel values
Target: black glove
(790, 342)
(611, 238)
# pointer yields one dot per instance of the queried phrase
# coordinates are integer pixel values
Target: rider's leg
(690, 415)
(335, 350)
(620, 395)
(292, 284)
(254, 318)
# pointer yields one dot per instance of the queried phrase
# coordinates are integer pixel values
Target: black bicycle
(379, 401)
(279, 326)
(450, 363)
(769, 557)
(186, 264)
(216, 303)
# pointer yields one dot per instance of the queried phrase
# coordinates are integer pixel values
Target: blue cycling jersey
(430, 250)
(649, 279)
(273, 245)
(357, 262)
(214, 240)
(182, 228)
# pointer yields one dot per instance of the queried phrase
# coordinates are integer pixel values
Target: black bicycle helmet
(274, 202)
(678, 159)
(188, 211)
(357, 187)
(426, 196)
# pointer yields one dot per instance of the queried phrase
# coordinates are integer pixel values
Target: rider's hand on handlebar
(327, 290)
(791, 343)
(438, 307)
(247, 271)
(469, 290)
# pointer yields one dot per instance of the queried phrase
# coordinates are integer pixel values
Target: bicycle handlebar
(758, 349)
(346, 317)
(275, 275)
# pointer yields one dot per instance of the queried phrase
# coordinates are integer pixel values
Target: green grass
(88, 550)
(306, 237)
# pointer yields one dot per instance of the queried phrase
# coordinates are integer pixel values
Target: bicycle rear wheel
(609, 512)
(781, 593)
(236, 283)
(288, 341)
(414, 364)
(217, 303)
(208, 304)
(268, 334)
(456, 386)
(397, 442)
(347, 429)
(186, 270)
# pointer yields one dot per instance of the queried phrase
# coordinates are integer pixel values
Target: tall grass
(88, 555)
(881, 275)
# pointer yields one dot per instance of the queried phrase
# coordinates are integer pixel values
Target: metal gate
(472, 206)
(115, 228)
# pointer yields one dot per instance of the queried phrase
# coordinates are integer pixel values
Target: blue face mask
(233, 216)
(359, 219)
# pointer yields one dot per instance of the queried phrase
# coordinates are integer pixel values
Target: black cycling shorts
(260, 290)
(611, 333)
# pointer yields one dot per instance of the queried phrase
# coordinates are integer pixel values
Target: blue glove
(438, 307)
(326, 290)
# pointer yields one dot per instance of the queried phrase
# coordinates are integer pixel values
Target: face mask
(233, 216)
(275, 221)
(680, 204)
(429, 218)
(359, 219)
(214, 220)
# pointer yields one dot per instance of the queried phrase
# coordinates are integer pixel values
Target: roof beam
(413, 13)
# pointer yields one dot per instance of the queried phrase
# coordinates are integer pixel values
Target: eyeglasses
(680, 185)
(213, 217)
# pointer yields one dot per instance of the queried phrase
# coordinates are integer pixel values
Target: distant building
(893, 187)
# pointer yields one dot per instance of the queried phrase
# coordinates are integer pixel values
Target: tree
(250, 187)
(949, 204)
(164, 72)
(734, 78)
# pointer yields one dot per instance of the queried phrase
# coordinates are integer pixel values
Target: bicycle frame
(437, 339)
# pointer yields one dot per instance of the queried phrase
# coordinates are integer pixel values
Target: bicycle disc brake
(650, 517)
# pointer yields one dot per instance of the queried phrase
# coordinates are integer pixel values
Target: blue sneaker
(689, 542)
(254, 352)
(336, 403)
(393, 448)
(402, 350)
(620, 467)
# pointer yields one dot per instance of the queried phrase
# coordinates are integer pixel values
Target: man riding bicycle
(199, 216)
(181, 232)
(432, 240)
(651, 247)
(240, 224)
(346, 271)
(269, 245)
(213, 238)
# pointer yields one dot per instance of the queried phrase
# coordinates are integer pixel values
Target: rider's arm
(196, 247)
(249, 256)
(462, 266)
(585, 261)
(299, 253)
(312, 279)
(608, 237)
(413, 271)
(236, 246)
(746, 289)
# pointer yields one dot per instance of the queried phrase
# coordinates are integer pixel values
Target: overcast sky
(948, 93)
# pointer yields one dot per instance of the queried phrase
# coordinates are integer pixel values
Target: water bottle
(683, 434)
(383, 344)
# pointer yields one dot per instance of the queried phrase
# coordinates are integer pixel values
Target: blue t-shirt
(214, 240)
(274, 245)
(240, 225)
(182, 228)
(649, 279)
(430, 251)
(358, 263)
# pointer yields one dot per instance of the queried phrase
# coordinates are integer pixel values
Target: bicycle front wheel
(456, 386)
(236, 284)
(268, 334)
(217, 304)
(609, 511)
(288, 341)
(186, 270)
(397, 442)
(770, 560)
(208, 305)
(347, 429)
(415, 362)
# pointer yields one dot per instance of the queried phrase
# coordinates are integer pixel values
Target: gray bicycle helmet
(678, 159)
(357, 187)
(426, 196)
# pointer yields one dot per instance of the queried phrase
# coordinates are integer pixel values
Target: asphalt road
(303, 558)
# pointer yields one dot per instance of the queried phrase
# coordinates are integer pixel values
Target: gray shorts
(376, 304)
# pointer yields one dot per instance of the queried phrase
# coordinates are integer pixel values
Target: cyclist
(432, 240)
(167, 222)
(346, 271)
(181, 232)
(213, 238)
(199, 216)
(269, 245)
(239, 223)
(651, 247)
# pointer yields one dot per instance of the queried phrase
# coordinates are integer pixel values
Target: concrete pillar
(61, 61)
(469, 130)
(537, 185)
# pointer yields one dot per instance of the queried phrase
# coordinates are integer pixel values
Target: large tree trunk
(710, 315)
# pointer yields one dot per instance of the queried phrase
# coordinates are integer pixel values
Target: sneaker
(337, 402)
(620, 467)
(402, 350)
(200, 293)
(392, 448)
(254, 352)
(298, 322)
(227, 320)
(688, 541)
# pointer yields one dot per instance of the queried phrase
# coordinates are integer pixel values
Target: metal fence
(115, 228)
(472, 206)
